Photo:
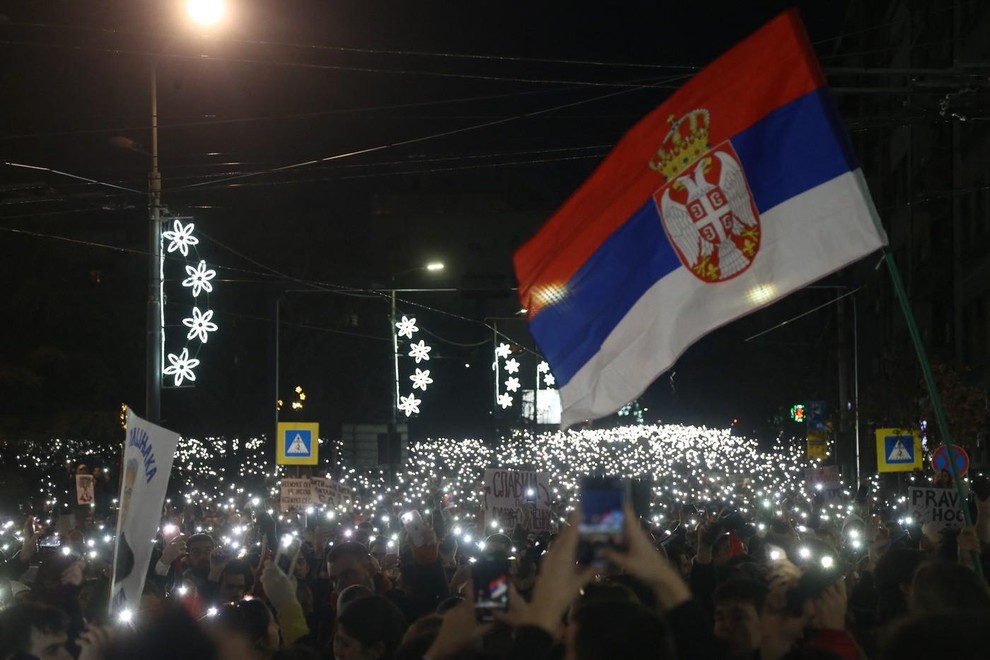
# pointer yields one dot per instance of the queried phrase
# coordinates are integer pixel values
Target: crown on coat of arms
(684, 143)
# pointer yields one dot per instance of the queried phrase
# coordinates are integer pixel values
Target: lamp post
(431, 267)
(205, 13)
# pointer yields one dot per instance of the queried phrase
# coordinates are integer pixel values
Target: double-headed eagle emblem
(705, 205)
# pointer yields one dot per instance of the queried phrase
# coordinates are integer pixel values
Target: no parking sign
(940, 460)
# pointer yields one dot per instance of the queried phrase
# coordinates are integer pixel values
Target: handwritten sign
(939, 506)
(517, 498)
(302, 492)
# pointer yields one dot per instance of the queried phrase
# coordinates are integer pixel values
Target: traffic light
(798, 413)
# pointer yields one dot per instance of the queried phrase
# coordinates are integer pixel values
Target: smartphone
(602, 525)
(491, 587)
(52, 541)
(415, 527)
(288, 551)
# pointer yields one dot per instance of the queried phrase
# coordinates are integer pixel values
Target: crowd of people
(745, 573)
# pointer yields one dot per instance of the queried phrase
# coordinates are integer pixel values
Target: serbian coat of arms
(705, 205)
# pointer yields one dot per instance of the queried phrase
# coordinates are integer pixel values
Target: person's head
(959, 635)
(198, 549)
(419, 637)
(349, 564)
(248, 625)
(617, 629)
(301, 569)
(892, 576)
(498, 544)
(236, 581)
(600, 592)
(369, 629)
(944, 585)
(351, 594)
(738, 604)
(378, 549)
(34, 629)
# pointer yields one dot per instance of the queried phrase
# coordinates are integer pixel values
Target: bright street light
(206, 12)
(436, 265)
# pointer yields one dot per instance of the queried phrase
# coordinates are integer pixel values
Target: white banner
(939, 506)
(300, 492)
(148, 454)
(517, 497)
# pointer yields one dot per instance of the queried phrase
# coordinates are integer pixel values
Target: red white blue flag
(738, 190)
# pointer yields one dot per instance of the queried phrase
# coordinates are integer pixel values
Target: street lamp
(432, 267)
(206, 13)
(202, 12)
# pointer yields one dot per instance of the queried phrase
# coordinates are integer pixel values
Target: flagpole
(943, 425)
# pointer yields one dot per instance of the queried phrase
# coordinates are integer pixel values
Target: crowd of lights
(681, 464)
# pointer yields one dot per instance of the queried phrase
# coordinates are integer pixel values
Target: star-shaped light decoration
(511, 366)
(420, 351)
(543, 367)
(406, 327)
(200, 324)
(503, 350)
(549, 380)
(199, 278)
(181, 366)
(409, 404)
(504, 400)
(421, 379)
(180, 238)
(512, 384)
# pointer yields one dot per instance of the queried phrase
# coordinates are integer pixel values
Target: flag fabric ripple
(736, 191)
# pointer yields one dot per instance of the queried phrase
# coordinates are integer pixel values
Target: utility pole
(155, 321)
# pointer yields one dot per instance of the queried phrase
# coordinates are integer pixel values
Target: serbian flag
(739, 189)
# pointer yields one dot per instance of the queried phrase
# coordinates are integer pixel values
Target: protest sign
(301, 492)
(148, 453)
(85, 492)
(939, 506)
(825, 481)
(517, 498)
(296, 493)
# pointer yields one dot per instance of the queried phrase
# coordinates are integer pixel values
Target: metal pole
(154, 322)
(278, 328)
(395, 361)
(859, 467)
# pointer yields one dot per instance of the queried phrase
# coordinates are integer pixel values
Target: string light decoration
(199, 280)
(420, 352)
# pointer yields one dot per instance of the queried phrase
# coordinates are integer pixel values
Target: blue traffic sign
(899, 449)
(298, 443)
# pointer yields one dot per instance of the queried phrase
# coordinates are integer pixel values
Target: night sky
(456, 130)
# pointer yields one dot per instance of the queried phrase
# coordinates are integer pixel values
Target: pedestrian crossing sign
(898, 450)
(298, 443)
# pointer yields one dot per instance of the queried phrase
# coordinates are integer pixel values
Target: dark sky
(288, 82)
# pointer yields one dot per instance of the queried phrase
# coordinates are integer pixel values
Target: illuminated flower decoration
(200, 324)
(199, 278)
(511, 366)
(406, 327)
(549, 380)
(180, 237)
(409, 404)
(512, 384)
(504, 400)
(543, 367)
(421, 379)
(503, 350)
(420, 351)
(181, 366)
